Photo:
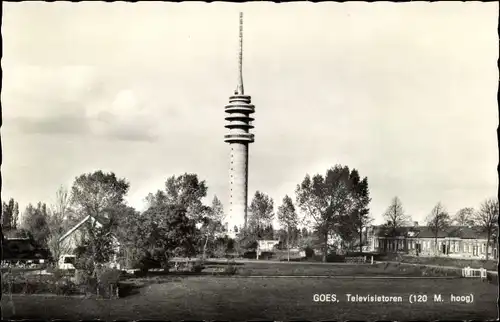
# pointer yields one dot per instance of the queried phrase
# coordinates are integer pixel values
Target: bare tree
(487, 219)
(396, 216)
(464, 217)
(58, 222)
(212, 222)
(438, 220)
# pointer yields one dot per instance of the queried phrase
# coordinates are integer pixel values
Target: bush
(145, 263)
(21, 284)
(65, 287)
(108, 280)
(81, 277)
(196, 267)
(309, 252)
(266, 255)
(230, 268)
(334, 258)
(250, 254)
(220, 251)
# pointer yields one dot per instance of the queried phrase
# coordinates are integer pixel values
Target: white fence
(359, 259)
(474, 272)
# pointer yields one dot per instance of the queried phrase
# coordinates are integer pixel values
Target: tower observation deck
(238, 122)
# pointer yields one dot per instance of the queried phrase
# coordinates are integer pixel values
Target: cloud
(73, 100)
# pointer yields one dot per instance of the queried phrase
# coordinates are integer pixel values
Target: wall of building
(450, 247)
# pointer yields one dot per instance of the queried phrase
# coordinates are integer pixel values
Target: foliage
(164, 231)
(464, 217)
(230, 268)
(438, 220)
(96, 247)
(212, 224)
(261, 212)
(396, 217)
(196, 267)
(36, 222)
(58, 223)
(359, 217)
(487, 220)
(309, 252)
(10, 215)
(329, 202)
(288, 219)
(246, 241)
(96, 193)
(188, 191)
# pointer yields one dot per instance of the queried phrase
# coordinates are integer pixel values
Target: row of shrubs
(105, 283)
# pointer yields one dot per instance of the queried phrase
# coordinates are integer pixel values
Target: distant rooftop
(425, 232)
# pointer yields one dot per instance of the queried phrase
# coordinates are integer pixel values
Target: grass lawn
(242, 299)
(491, 265)
(312, 269)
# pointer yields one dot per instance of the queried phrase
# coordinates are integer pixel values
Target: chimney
(415, 224)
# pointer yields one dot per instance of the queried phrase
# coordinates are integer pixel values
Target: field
(491, 265)
(242, 298)
(319, 269)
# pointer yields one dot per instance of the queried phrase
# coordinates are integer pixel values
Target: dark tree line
(177, 222)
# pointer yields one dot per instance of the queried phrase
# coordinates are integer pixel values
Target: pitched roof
(99, 221)
(425, 232)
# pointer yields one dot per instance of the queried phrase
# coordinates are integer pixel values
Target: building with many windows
(456, 242)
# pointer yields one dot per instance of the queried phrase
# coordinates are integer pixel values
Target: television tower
(239, 123)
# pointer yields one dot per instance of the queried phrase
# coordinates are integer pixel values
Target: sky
(403, 92)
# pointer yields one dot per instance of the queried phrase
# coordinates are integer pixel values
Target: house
(73, 237)
(22, 249)
(455, 242)
(265, 245)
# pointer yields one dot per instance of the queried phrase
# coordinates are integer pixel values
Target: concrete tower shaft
(239, 123)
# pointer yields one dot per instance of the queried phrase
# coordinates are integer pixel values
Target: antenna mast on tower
(239, 89)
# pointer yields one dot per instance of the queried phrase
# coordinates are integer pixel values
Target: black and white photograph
(250, 161)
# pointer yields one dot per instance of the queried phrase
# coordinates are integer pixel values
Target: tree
(213, 222)
(487, 219)
(326, 200)
(9, 216)
(156, 199)
(93, 194)
(97, 195)
(96, 247)
(58, 222)
(288, 219)
(15, 216)
(246, 240)
(261, 213)
(167, 232)
(188, 191)
(360, 213)
(304, 233)
(396, 216)
(36, 223)
(438, 220)
(464, 217)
